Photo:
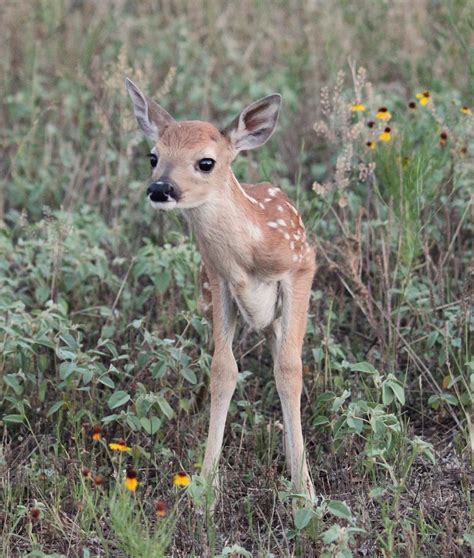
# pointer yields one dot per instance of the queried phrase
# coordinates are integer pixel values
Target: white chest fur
(257, 301)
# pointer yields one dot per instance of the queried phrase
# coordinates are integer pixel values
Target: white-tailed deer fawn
(256, 259)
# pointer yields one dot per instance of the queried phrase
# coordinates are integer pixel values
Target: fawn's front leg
(288, 373)
(223, 372)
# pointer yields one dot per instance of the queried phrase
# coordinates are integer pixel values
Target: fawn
(256, 259)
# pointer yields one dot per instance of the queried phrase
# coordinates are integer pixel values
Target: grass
(99, 321)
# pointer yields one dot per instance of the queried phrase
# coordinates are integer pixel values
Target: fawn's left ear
(151, 118)
(255, 124)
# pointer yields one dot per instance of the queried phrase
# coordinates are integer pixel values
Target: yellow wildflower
(383, 114)
(119, 446)
(181, 479)
(370, 145)
(386, 135)
(96, 433)
(424, 98)
(357, 107)
(131, 481)
(465, 110)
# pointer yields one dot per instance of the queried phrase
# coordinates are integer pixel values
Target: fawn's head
(191, 159)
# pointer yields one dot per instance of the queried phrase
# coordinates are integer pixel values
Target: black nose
(160, 191)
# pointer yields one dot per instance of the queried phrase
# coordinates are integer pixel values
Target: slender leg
(223, 372)
(288, 374)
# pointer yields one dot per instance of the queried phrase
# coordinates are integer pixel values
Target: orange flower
(120, 445)
(357, 107)
(383, 114)
(465, 110)
(181, 479)
(131, 481)
(386, 135)
(35, 513)
(96, 433)
(87, 474)
(424, 98)
(99, 480)
(160, 508)
(371, 145)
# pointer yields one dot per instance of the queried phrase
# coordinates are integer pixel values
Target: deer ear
(255, 124)
(151, 118)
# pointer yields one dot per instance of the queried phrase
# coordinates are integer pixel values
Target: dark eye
(206, 165)
(153, 159)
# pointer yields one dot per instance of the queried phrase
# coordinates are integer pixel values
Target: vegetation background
(98, 294)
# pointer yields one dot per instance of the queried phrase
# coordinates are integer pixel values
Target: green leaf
(150, 425)
(162, 281)
(398, 391)
(13, 382)
(303, 517)
(320, 420)
(13, 419)
(118, 399)
(55, 408)
(165, 407)
(363, 367)
(377, 492)
(107, 381)
(189, 375)
(66, 369)
(387, 394)
(339, 509)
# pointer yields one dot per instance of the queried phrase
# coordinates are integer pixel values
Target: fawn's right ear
(151, 118)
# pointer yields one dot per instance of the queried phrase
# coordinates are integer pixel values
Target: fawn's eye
(153, 159)
(206, 165)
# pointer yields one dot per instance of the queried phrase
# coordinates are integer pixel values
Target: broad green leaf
(55, 408)
(107, 381)
(118, 399)
(189, 375)
(165, 407)
(398, 391)
(387, 394)
(303, 517)
(363, 367)
(13, 382)
(150, 425)
(13, 419)
(339, 509)
(320, 420)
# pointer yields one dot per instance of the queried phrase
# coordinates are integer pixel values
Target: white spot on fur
(206, 285)
(260, 204)
(295, 258)
(281, 222)
(273, 192)
(272, 224)
(266, 200)
(280, 208)
(253, 200)
(292, 207)
(287, 236)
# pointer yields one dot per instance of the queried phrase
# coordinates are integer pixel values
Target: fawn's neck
(226, 228)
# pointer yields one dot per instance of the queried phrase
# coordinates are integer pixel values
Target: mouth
(170, 203)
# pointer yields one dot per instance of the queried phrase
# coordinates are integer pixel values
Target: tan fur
(256, 259)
